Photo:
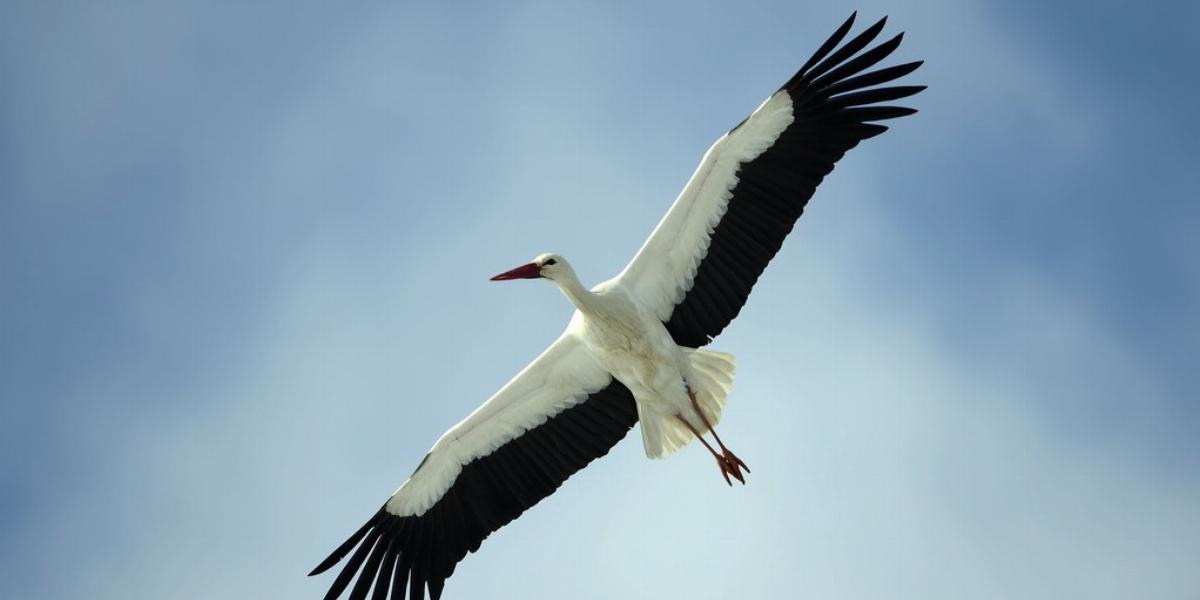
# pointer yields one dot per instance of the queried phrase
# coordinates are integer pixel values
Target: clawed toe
(731, 467)
(732, 458)
(721, 464)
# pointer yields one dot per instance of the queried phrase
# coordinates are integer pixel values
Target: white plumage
(632, 350)
(662, 270)
(564, 375)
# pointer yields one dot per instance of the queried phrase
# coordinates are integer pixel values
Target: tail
(710, 380)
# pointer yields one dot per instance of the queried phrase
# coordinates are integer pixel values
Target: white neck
(568, 282)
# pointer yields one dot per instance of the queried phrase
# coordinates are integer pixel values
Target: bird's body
(628, 341)
(633, 350)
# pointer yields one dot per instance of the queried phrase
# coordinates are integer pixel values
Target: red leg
(731, 458)
(720, 458)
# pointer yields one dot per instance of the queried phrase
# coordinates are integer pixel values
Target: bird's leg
(721, 462)
(735, 463)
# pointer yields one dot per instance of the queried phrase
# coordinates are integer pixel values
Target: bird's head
(546, 266)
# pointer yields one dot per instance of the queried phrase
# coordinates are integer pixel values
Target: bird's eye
(549, 262)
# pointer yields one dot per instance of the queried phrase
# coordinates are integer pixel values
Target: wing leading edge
(702, 260)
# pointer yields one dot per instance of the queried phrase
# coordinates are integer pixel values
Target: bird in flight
(633, 350)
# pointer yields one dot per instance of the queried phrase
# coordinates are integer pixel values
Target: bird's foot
(733, 459)
(721, 464)
(730, 464)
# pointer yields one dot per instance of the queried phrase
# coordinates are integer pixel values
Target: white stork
(631, 350)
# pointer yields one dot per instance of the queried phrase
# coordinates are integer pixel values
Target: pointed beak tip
(529, 271)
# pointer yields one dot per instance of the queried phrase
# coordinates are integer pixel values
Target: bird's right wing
(698, 266)
(557, 415)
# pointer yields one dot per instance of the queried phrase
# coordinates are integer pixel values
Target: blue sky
(244, 253)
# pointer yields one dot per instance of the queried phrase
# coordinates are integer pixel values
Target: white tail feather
(711, 379)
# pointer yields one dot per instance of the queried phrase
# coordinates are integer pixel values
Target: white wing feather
(663, 269)
(562, 376)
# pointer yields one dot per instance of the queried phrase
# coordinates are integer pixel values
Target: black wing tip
(415, 555)
(900, 111)
(912, 66)
(334, 558)
(849, 22)
(848, 68)
(341, 551)
(871, 130)
(868, 114)
(835, 61)
(869, 34)
(838, 35)
(436, 586)
(903, 69)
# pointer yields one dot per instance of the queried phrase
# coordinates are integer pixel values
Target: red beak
(529, 271)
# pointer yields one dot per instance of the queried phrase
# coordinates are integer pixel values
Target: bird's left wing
(557, 415)
(697, 268)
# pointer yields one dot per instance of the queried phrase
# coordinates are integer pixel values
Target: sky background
(244, 251)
